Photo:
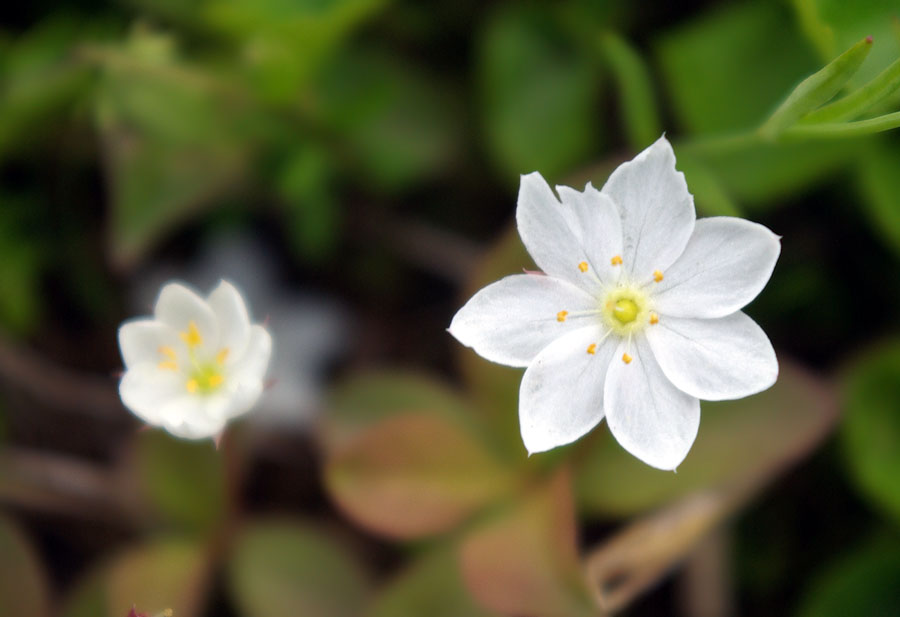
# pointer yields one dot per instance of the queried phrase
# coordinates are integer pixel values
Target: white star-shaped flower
(196, 363)
(638, 316)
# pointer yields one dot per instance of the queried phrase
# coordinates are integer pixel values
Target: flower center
(625, 310)
(204, 379)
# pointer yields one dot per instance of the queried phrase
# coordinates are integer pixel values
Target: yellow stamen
(561, 316)
(657, 276)
(616, 261)
(654, 318)
(192, 337)
(222, 356)
(168, 352)
(171, 361)
(168, 365)
(583, 266)
(215, 380)
(192, 386)
(592, 348)
(626, 358)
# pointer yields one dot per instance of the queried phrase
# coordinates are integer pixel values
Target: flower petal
(561, 396)
(595, 219)
(646, 413)
(725, 265)
(552, 233)
(656, 209)
(714, 359)
(140, 340)
(146, 389)
(178, 306)
(510, 321)
(242, 396)
(231, 313)
(194, 417)
(255, 359)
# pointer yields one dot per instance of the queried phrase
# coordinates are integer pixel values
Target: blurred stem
(705, 584)
(859, 128)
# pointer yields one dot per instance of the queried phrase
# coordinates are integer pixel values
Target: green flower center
(625, 310)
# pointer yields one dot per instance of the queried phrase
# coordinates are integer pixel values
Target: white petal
(552, 233)
(242, 396)
(140, 340)
(561, 396)
(646, 413)
(596, 219)
(656, 209)
(255, 359)
(725, 265)
(714, 359)
(178, 306)
(510, 321)
(231, 313)
(145, 389)
(194, 416)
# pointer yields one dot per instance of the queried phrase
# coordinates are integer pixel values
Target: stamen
(592, 348)
(583, 266)
(168, 352)
(171, 361)
(192, 337)
(192, 386)
(616, 261)
(654, 318)
(657, 276)
(561, 316)
(222, 356)
(215, 380)
(168, 365)
(626, 358)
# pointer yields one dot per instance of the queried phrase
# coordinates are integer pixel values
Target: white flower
(638, 316)
(196, 363)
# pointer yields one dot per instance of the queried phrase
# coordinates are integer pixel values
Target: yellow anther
(626, 358)
(168, 352)
(592, 348)
(192, 386)
(583, 266)
(625, 310)
(168, 365)
(561, 316)
(616, 261)
(654, 318)
(192, 337)
(215, 380)
(222, 356)
(657, 276)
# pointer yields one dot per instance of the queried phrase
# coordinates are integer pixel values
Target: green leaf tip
(861, 100)
(816, 89)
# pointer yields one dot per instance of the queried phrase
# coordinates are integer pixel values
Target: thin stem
(859, 128)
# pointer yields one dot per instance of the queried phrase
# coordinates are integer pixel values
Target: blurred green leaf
(184, 481)
(816, 89)
(281, 568)
(637, 101)
(401, 123)
(861, 100)
(160, 574)
(871, 429)
(727, 68)
(864, 584)
(737, 439)
(523, 560)
(171, 141)
(21, 262)
(24, 591)
(415, 474)
(431, 586)
(539, 97)
(710, 196)
(879, 184)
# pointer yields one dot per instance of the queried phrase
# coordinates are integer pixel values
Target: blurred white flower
(196, 363)
(637, 316)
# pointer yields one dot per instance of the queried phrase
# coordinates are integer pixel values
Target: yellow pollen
(625, 310)
(167, 352)
(222, 356)
(561, 316)
(626, 358)
(215, 380)
(192, 337)
(616, 261)
(583, 266)
(654, 318)
(168, 365)
(192, 386)
(657, 276)
(592, 348)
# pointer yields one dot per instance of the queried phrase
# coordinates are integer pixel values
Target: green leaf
(816, 89)
(21, 263)
(710, 196)
(159, 574)
(523, 560)
(282, 568)
(637, 102)
(879, 184)
(431, 586)
(863, 584)
(727, 68)
(843, 130)
(183, 481)
(861, 100)
(24, 591)
(737, 439)
(538, 96)
(871, 429)
(415, 474)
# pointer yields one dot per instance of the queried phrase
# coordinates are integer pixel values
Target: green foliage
(871, 429)
(286, 569)
(23, 583)
(21, 263)
(879, 185)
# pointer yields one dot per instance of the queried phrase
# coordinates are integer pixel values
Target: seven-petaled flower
(638, 316)
(196, 363)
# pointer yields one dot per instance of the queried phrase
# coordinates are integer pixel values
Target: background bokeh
(352, 165)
